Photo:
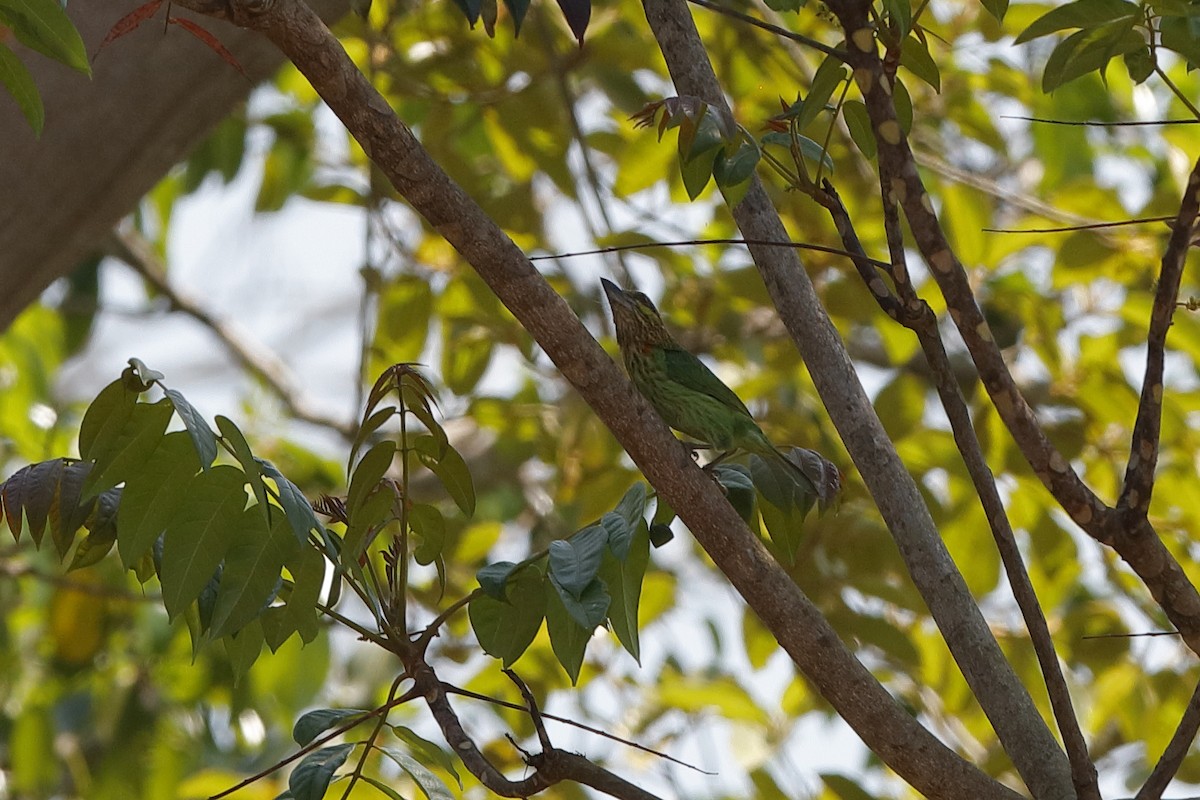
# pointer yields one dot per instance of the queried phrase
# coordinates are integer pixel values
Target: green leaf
(430, 526)
(295, 505)
(368, 427)
(505, 629)
(828, 78)
(426, 750)
(19, 82)
(859, 123)
(366, 476)
(997, 8)
(1085, 14)
(313, 723)
(1140, 64)
(311, 777)
(44, 26)
(200, 535)
(899, 14)
(366, 522)
(104, 419)
(102, 531)
(494, 577)
(429, 784)
(699, 145)
(203, 438)
(784, 505)
(915, 57)
(28, 495)
(299, 613)
(574, 562)
(1089, 50)
(452, 471)
(624, 581)
(1181, 35)
(731, 170)
(128, 448)
(243, 649)
(153, 495)
(517, 9)
(619, 533)
(590, 607)
(739, 489)
(251, 576)
(568, 639)
(250, 465)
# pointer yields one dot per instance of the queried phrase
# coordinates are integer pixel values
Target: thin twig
(775, 29)
(451, 689)
(1172, 757)
(1089, 226)
(316, 743)
(687, 242)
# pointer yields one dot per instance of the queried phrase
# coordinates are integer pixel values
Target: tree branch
(1172, 757)
(888, 728)
(1001, 695)
(920, 319)
(1137, 544)
(1143, 449)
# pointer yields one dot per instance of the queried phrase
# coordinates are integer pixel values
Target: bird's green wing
(689, 371)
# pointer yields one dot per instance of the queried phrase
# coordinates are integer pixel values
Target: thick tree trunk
(108, 140)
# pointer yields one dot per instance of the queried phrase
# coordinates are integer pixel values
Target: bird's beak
(616, 295)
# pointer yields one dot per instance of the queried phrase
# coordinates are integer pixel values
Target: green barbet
(684, 392)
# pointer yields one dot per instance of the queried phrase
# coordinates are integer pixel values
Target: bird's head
(638, 323)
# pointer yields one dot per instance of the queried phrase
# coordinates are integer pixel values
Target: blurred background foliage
(102, 698)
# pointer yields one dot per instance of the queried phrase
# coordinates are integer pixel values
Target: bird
(685, 392)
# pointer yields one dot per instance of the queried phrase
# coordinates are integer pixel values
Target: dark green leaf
(19, 82)
(568, 639)
(295, 505)
(574, 562)
(493, 578)
(243, 649)
(104, 419)
(506, 629)
(1089, 50)
(517, 9)
(452, 471)
(129, 447)
(313, 723)
(153, 495)
(739, 488)
(577, 13)
(825, 82)
(251, 579)
(624, 581)
(241, 451)
(1181, 35)
(311, 777)
(619, 533)
(899, 14)
(201, 533)
(859, 123)
(590, 607)
(366, 476)
(430, 526)
(916, 59)
(203, 438)
(369, 426)
(1140, 64)
(660, 534)
(27, 496)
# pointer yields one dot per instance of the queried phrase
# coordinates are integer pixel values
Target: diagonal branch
(1143, 450)
(900, 740)
(1136, 543)
(1172, 757)
(920, 319)
(1004, 699)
